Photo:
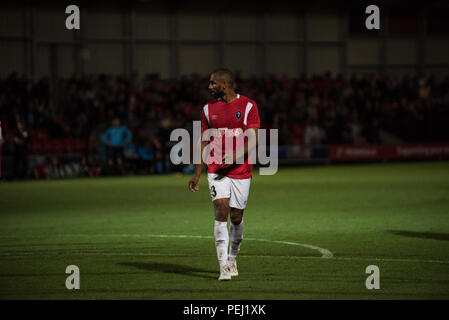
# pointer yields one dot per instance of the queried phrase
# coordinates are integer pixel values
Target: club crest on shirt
(238, 114)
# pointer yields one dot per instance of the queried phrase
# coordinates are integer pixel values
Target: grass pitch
(150, 238)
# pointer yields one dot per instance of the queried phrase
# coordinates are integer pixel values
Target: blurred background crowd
(103, 99)
(121, 125)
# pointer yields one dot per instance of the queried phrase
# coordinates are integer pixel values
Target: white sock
(235, 237)
(221, 241)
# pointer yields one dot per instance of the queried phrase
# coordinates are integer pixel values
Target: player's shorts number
(213, 192)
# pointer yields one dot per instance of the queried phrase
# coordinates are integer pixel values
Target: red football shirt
(229, 120)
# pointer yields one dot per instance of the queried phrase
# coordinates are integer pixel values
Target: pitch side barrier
(332, 154)
(290, 156)
(399, 152)
(303, 155)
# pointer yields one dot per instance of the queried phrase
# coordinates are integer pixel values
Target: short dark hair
(226, 75)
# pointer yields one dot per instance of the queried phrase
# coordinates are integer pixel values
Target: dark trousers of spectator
(146, 166)
(130, 165)
(115, 160)
(163, 164)
(20, 165)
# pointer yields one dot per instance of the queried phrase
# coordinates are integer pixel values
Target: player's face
(216, 88)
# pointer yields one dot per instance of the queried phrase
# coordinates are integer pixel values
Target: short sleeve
(253, 120)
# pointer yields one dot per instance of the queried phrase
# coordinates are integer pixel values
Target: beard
(218, 93)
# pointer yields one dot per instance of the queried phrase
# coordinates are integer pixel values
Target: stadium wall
(172, 43)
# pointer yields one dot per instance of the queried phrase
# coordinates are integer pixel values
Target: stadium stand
(308, 111)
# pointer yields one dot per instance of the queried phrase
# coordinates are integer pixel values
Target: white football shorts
(237, 190)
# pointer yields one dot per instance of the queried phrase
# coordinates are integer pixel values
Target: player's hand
(193, 184)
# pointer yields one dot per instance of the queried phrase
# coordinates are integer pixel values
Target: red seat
(36, 147)
(58, 147)
(48, 147)
(32, 147)
(69, 145)
(80, 145)
(39, 134)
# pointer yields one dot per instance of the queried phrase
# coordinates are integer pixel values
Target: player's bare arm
(193, 182)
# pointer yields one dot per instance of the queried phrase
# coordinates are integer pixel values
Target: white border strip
(206, 113)
(248, 108)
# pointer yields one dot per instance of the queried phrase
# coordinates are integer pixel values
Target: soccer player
(230, 114)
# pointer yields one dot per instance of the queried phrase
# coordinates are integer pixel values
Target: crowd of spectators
(307, 111)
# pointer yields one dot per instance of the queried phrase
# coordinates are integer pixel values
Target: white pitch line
(144, 254)
(392, 260)
(325, 254)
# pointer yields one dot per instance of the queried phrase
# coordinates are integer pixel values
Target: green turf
(395, 216)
